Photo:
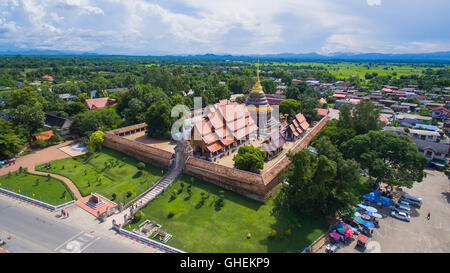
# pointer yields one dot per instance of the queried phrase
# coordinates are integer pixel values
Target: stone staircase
(158, 188)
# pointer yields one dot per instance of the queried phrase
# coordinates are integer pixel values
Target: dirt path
(42, 156)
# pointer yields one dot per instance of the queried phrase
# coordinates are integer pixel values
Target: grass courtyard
(50, 191)
(206, 228)
(106, 172)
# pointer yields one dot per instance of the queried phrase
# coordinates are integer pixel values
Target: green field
(120, 177)
(208, 229)
(47, 190)
(345, 70)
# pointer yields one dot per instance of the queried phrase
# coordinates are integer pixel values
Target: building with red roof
(44, 135)
(296, 128)
(99, 103)
(440, 112)
(227, 126)
(322, 112)
(47, 78)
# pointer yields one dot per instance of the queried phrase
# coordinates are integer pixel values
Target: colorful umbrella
(368, 213)
(346, 226)
(361, 206)
(368, 224)
(358, 220)
(341, 230)
(349, 232)
(372, 209)
(335, 235)
(376, 215)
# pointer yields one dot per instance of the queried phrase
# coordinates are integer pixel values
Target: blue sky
(146, 27)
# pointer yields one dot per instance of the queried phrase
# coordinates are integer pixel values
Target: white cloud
(201, 26)
(374, 2)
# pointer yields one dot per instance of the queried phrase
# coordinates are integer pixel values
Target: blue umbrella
(368, 213)
(361, 206)
(368, 224)
(372, 209)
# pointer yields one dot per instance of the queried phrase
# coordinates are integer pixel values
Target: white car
(402, 207)
(400, 215)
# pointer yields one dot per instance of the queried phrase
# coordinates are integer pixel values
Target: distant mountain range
(338, 56)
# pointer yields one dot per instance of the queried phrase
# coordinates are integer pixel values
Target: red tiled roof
(383, 119)
(47, 77)
(208, 139)
(339, 95)
(227, 141)
(44, 135)
(322, 112)
(215, 120)
(305, 125)
(214, 147)
(440, 108)
(300, 117)
(99, 103)
(293, 130)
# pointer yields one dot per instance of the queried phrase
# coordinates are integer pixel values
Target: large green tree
(221, 92)
(290, 107)
(86, 123)
(319, 185)
(30, 118)
(237, 85)
(158, 115)
(389, 158)
(269, 86)
(12, 139)
(249, 158)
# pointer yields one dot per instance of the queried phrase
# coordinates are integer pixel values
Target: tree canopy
(249, 158)
(389, 158)
(319, 185)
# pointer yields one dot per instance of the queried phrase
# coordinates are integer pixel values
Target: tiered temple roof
(224, 125)
(298, 125)
(258, 106)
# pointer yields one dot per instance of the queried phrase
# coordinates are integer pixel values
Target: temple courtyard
(198, 226)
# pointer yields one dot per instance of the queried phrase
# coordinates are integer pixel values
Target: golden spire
(257, 88)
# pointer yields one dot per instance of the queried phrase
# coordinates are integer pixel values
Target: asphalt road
(31, 233)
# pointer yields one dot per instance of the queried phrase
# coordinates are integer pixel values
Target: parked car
(403, 202)
(402, 207)
(400, 215)
(412, 200)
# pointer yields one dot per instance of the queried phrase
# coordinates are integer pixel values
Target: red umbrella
(349, 232)
(362, 238)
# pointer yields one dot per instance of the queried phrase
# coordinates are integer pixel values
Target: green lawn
(121, 177)
(207, 229)
(25, 184)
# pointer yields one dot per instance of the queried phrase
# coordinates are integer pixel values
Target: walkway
(42, 156)
(158, 188)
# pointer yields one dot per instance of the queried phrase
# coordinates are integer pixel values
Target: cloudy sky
(146, 27)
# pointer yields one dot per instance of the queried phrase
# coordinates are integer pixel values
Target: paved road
(32, 233)
(420, 235)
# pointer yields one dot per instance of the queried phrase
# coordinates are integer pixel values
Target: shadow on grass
(137, 175)
(213, 189)
(305, 229)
